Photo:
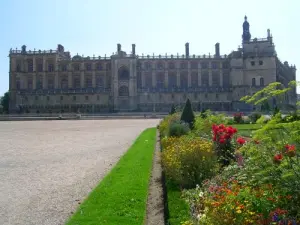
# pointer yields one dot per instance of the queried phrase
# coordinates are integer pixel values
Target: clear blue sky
(161, 26)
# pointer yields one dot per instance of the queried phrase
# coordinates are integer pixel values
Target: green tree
(187, 115)
(173, 110)
(275, 90)
(5, 102)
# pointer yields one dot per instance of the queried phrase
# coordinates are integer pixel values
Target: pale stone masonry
(52, 81)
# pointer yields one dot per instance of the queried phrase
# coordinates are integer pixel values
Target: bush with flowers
(188, 160)
(238, 117)
(164, 125)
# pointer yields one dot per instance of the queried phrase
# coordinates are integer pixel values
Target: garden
(232, 170)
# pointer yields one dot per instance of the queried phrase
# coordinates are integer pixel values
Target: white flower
(201, 194)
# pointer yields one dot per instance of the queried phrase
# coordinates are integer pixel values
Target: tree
(275, 90)
(5, 102)
(187, 115)
(173, 110)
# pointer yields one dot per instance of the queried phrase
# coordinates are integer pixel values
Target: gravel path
(48, 167)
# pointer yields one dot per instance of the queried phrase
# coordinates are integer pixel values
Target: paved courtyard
(48, 167)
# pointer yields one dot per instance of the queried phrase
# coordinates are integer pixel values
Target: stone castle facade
(53, 81)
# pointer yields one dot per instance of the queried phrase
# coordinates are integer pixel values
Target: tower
(246, 31)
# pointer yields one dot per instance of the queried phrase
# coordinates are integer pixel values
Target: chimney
(119, 47)
(133, 49)
(187, 50)
(269, 33)
(217, 49)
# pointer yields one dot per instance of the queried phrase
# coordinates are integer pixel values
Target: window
(205, 95)
(183, 65)
(252, 63)
(50, 83)
(147, 66)
(160, 66)
(98, 97)
(88, 82)
(205, 79)
(64, 83)
(61, 98)
(99, 66)
(36, 98)
(50, 68)
(40, 67)
(214, 65)
(204, 65)
(76, 83)
(261, 62)
(39, 83)
(194, 65)
(253, 82)
(215, 78)
(18, 68)
(184, 80)
(172, 96)
(99, 81)
(108, 66)
(74, 98)
(217, 96)
(261, 82)
(29, 84)
(64, 68)
(18, 86)
(48, 98)
(30, 65)
(76, 67)
(86, 98)
(160, 80)
(194, 79)
(88, 67)
(225, 65)
(171, 65)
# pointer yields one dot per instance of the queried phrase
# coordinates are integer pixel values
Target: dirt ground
(48, 167)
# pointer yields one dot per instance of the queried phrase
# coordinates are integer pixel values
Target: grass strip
(120, 198)
(178, 209)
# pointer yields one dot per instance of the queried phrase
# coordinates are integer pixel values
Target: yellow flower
(239, 211)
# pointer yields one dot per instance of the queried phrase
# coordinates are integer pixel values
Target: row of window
(260, 63)
(74, 98)
(184, 65)
(100, 67)
(261, 82)
(76, 67)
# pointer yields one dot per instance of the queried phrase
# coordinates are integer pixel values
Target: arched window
(123, 73)
(123, 91)
(261, 82)
(253, 82)
(18, 84)
(64, 83)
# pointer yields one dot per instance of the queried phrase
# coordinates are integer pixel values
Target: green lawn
(178, 209)
(120, 198)
(246, 129)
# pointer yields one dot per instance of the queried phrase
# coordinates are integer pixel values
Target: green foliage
(202, 126)
(164, 125)
(173, 110)
(188, 115)
(254, 116)
(178, 128)
(188, 160)
(5, 102)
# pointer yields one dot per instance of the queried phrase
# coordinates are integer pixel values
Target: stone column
(143, 79)
(199, 75)
(70, 81)
(56, 86)
(189, 74)
(82, 79)
(93, 79)
(153, 78)
(210, 77)
(34, 81)
(34, 64)
(221, 75)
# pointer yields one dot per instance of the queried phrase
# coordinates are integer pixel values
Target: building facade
(53, 81)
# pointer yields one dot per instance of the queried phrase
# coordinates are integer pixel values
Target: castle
(53, 81)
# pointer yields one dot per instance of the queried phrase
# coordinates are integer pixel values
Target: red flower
(290, 150)
(222, 141)
(240, 140)
(278, 158)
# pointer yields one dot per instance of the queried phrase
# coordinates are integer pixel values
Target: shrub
(177, 129)
(166, 122)
(202, 126)
(238, 117)
(187, 114)
(254, 117)
(188, 161)
(173, 110)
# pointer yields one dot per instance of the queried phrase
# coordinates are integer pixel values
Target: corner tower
(246, 31)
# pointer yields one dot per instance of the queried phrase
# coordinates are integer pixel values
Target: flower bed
(230, 179)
